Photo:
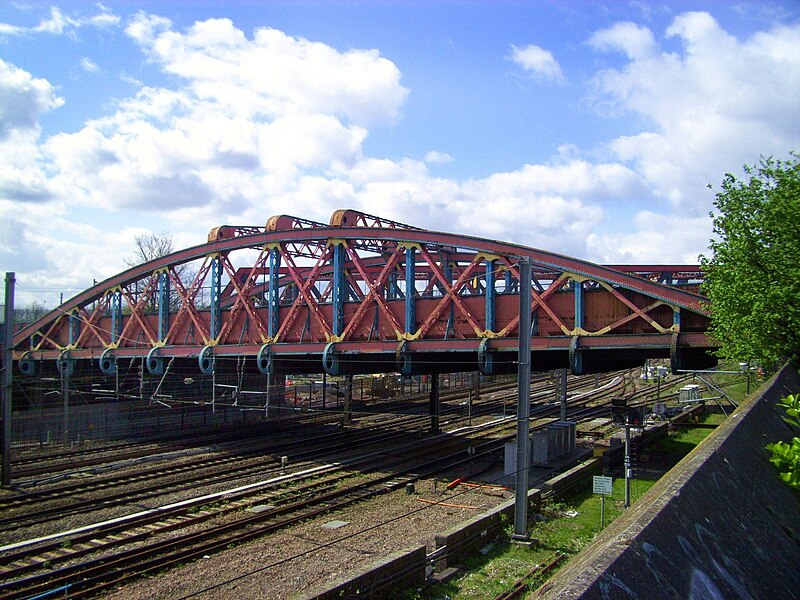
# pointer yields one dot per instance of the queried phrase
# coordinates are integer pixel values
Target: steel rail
(538, 412)
(592, 411)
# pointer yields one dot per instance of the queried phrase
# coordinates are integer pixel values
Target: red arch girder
(451, 297)
(189, 318)
(92, 320)
(138, 302)
(374, 284)
(352, 218)
(243, 301)
(642, 303)
(304, 296)
(679, 273)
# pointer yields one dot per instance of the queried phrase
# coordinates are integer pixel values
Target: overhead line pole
(8, 343)
(523, 403)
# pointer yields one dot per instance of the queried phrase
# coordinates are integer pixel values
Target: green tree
(752, 277)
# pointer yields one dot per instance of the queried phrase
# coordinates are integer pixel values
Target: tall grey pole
(434, 403)
(8, 343)
(523, 403)
(627, 465)
(65, 399)
(563, 394)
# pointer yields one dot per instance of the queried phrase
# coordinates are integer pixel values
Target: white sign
(601, 485)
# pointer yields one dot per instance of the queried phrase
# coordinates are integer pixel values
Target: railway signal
(619, 411)
(632, 417)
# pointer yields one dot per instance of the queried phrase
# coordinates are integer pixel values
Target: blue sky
(586, 128)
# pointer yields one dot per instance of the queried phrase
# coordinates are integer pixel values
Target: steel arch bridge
(363, 294)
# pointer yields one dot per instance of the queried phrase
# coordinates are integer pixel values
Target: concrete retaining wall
(466, 538)
(400, 570)
(720, 524)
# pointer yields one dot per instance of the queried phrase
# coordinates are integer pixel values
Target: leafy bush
(786, 457)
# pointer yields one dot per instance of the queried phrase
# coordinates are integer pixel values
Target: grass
(566, 527)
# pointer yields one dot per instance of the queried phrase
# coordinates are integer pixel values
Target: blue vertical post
(163, 306)
(274, 292)
(451, 318)
(339, 288)
(491, 295)
(676, 318)
(448, 270)
(116, 316)
(391, 286)
(578, 288)
(216, 297)
(508, 281)
(411, 306)
(74, 327)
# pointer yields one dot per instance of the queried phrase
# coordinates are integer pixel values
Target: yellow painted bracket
(409, 246)
(488, 333)
(486, 256)
(403, 335)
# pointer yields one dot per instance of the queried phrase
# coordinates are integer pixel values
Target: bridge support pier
(434, 403)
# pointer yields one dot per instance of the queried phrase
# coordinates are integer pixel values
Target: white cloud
(436, 157)
(636, 41)
(52, 253)
(538, 61)
(656, 238)
(274, 124)
(58, 23)
(273, 73)
(297, 141)
(88, 65)
(23, 99)
(547, 206)
(710, 108)
(253, 117)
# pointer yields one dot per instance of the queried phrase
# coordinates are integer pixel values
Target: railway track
(76, 458)
(81, 498)
(87, 495)
(288, 506)
(313, 494)
(19, 562)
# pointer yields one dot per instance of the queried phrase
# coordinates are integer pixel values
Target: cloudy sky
(587, 128)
